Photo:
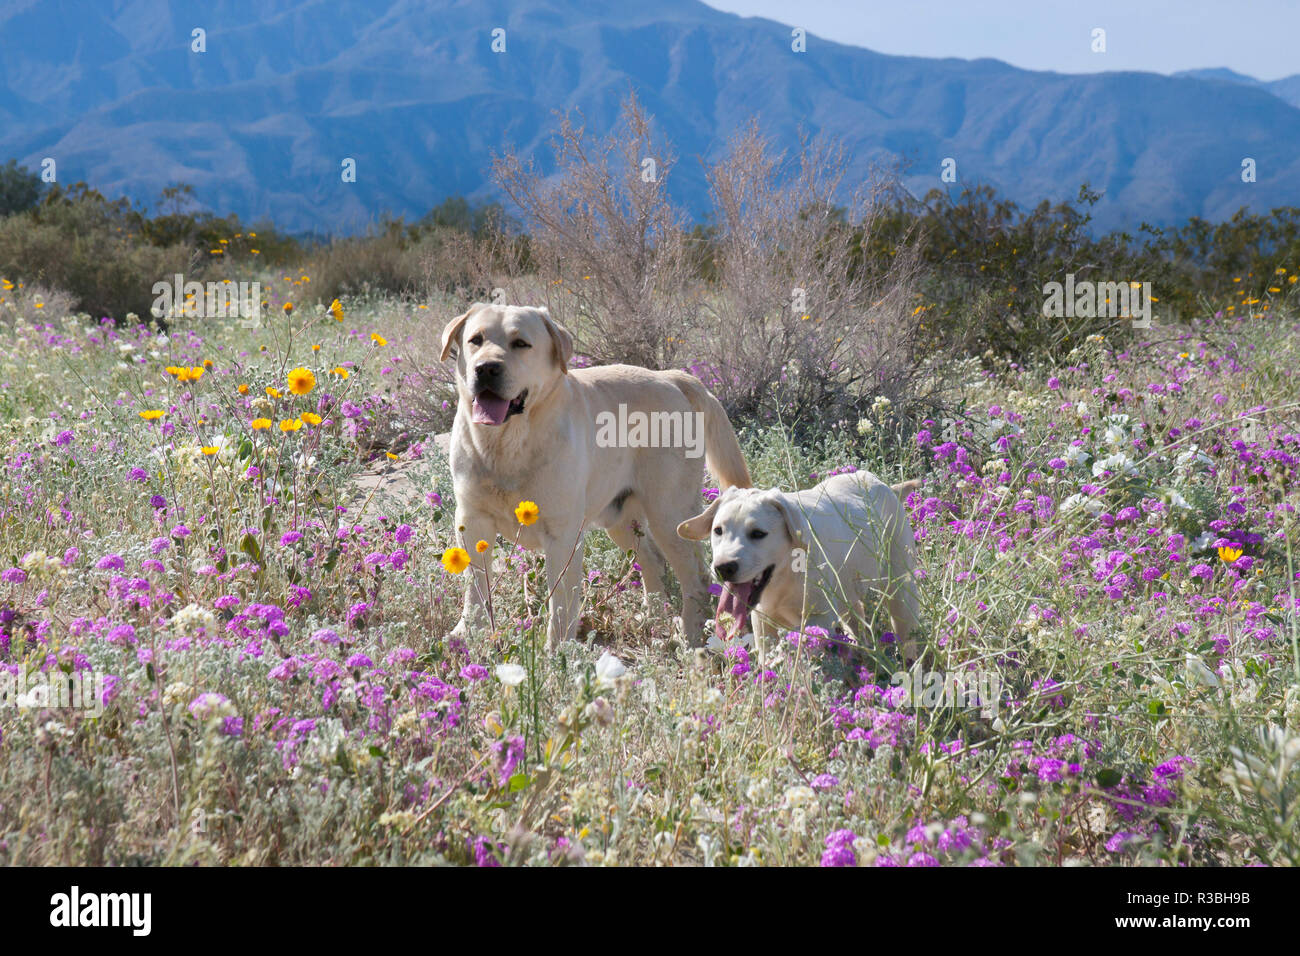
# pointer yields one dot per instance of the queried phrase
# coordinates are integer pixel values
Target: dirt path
(392, 483)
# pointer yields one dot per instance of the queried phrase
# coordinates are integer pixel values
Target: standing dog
(812, 557)
(530, 429)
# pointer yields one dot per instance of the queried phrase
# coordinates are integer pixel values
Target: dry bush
(81, 246)
(775, 305)
(491, 265)
(797, 325)
(34, 305)
(606, 241)
(389, 261)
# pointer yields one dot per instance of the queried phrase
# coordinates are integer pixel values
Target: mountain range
(260, 122)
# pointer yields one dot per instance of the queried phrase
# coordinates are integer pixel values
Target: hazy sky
(1260, 38)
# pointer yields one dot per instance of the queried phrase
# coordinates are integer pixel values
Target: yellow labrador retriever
(617, 447)
(811, 557)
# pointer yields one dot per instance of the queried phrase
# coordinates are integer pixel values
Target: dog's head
(505, 355)
(753, 534)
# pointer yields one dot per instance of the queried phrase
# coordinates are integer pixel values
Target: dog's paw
(673, 646)
(717, 645)
(690, 637)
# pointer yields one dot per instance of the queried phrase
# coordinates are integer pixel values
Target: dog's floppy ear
(698, 528)
(560, 339)
(796, 524)
(451, 331)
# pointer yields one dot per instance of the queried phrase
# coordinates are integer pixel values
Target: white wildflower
(512, 675)
(609, 669)
(192, 620)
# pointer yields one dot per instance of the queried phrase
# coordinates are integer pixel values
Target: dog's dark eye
(477, 340)
(717, 531)
(520, 344)
(757, 534)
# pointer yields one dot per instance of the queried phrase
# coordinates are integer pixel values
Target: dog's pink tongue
(490, 409)
(734, 601)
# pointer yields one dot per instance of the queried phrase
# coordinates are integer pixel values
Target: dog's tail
(721, 449)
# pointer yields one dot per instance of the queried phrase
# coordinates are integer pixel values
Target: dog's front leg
(472, 528)
(765, 638)
(564, 579)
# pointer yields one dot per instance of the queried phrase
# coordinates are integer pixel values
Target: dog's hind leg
(902, 597)
(631, 535)
(684, 558)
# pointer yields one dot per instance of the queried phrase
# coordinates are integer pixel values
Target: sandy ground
(393, 482)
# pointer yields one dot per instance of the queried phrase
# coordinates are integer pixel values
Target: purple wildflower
(509, 755)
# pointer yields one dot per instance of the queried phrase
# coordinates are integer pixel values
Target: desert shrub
(218, 240)
(986, 262)
(390, 259)
(792, 324)
(78, 241)
(469, 247)
(31, 304)
(481, 264)
(1257, 253)
(20, 189)
(607, 241)
(456, 214)
(769, 303)
(454, 248)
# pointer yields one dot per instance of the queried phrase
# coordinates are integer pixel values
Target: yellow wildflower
(527, 512)
(455, 560)
(301, 381)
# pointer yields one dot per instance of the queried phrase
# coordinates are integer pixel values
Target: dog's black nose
(489, 371)
(727, 570)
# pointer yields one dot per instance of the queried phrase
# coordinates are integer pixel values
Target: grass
(1111, 538)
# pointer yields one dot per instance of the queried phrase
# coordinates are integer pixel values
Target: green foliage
(178, 221)
(77, 241)
(455, 246)
(458, 214)
(988, 262)
(108, 254)
(20, 189)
